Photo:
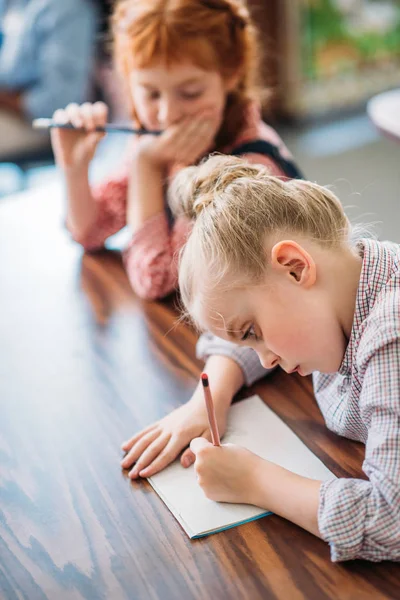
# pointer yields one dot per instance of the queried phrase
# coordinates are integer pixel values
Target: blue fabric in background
(47, 51)
(11, 179)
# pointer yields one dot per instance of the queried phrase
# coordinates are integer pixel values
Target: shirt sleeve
(65, 46)
(151, 259)
(110, 197)
(247, 359)
(361, 519)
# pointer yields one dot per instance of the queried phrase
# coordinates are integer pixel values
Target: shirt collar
(375, 272)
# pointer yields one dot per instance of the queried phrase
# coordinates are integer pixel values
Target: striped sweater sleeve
(110, 200)
(151, 259)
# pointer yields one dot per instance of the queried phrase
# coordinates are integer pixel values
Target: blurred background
(324, 60)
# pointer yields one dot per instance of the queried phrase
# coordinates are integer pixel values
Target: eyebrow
(233, 332)
(193, 80)
(190, 81)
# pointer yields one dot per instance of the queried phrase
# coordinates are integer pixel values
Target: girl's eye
(191, 95)
(153, 95)
(250, 334)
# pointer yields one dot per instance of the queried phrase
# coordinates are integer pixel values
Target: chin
(332, 368)
(304, 373)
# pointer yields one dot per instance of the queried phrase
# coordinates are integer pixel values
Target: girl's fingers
(172, 135)
(91, 141)
(138, 449)
(149, 455)
(100, 114)
(129, 443)
(169, 454)
(195, 143)
(74, 115)
(86, 111)
(188, 457)
(186, 141)
(182, 138)
(60, 116)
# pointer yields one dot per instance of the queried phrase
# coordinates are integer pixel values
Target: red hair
(215, 35)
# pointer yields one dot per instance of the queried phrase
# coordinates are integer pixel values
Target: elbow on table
(391, 546)
(384, 543)
(88, 242)
(149, 285)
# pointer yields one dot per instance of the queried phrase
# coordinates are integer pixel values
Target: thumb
(198, 443)
(93, 139)
(188, 457)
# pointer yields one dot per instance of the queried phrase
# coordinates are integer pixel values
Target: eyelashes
(250, 334)
(155, 95)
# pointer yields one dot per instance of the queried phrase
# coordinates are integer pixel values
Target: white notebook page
(255, 426)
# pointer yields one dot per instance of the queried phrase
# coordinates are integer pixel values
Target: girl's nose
(268, 359)
(168, 112)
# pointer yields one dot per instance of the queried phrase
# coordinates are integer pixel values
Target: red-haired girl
(190, 69)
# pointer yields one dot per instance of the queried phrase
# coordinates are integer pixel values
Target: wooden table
(84, 364)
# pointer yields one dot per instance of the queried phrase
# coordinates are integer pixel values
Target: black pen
(108, 127)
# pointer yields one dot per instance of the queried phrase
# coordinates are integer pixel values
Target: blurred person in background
(47, 52)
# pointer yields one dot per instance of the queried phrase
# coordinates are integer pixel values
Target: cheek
(145, 110)
(287, 341)
(290, 337)
(314, 337)
(322, 338)
(214, 101)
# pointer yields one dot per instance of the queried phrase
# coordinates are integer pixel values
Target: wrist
(291, 496)
(78, 171)
(267, 482)
(259, 482)
(221, 403)
(145, 159)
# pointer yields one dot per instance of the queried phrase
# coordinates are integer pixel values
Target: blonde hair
(214, 34)
(236, 207)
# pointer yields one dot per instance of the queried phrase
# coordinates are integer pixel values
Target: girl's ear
(293, 261)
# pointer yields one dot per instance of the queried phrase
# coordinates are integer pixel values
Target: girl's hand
(153, 448)
(227, 473)
(75, 149)
(183, 143)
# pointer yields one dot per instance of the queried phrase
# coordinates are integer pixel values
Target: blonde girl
(270, 265)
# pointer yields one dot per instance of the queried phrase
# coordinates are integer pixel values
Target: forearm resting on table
(288, 495)
(145, 194)
(81, 207)
(225, 377)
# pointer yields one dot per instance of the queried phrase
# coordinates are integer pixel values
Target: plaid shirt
(359, 518)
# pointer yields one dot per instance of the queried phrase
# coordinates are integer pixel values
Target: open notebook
(250, 424)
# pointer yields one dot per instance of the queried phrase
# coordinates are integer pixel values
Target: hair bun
(192, 190)
(195, 189)
(201, 203)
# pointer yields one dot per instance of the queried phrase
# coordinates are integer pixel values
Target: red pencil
(210, 410)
